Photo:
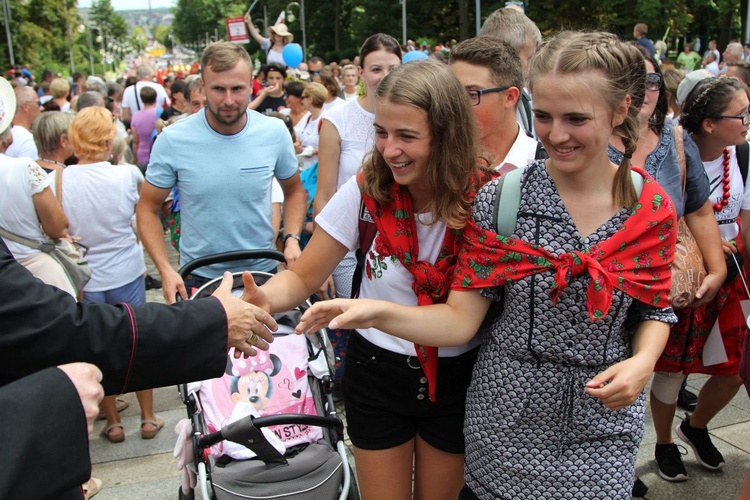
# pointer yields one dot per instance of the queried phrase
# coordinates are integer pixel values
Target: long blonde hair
(432, 87)
(624, 73)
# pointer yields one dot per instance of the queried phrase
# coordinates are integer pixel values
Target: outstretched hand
(620, 385)
(253, 294)
(338, 313)
(249, 326)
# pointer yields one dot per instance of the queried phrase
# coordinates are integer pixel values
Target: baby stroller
(268, 428)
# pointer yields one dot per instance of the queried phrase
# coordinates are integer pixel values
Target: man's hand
(87, 380)
(171, 285)
(248, 326)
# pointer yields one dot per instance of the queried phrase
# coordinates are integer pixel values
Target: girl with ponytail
(583, 290)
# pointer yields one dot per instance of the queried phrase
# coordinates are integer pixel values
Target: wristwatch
(292, 235)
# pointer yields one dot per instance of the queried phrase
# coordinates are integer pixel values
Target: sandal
(158, 422)
(121, 405)
(117, 438)
(91, 487)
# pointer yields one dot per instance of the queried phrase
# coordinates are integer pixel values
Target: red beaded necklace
(718, 207)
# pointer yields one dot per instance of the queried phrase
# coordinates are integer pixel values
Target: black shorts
(385, 396)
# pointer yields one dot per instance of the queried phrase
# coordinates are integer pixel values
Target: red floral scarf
(397, 236)
(636, 259)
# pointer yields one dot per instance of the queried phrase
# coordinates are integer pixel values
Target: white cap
(688, 83)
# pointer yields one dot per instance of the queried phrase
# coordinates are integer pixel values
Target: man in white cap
(27, 109)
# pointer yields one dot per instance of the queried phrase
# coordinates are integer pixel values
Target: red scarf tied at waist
(397, 236)
(636, 259)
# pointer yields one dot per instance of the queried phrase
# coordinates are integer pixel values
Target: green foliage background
(48, 33)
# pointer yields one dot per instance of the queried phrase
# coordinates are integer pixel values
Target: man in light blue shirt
(222, 160)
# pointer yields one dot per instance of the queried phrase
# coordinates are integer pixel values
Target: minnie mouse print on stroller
(268, 428)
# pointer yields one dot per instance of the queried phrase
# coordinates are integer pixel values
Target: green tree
(113, 25)
(138, 39)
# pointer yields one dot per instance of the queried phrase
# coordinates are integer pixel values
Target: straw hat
(281, 30)
(7, 104)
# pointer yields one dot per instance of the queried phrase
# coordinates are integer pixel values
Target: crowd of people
(490, 247)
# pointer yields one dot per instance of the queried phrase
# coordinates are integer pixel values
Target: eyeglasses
(315, 73)
(653, 81)
(476, 95)
(745, 117)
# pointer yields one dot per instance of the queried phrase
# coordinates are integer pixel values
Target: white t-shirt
(309, 138)
(99, 199)
(300, 126)
(386, 279)
(739, 195)
(23, 144)
(20, 179)
(129, 96)
(355, 127)
(333, 104)
(713, 68)
(271, 55)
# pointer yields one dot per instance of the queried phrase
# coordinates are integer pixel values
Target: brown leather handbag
(688, 269)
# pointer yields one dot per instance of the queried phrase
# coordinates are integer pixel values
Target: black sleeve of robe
(136, 348)
(45, 452)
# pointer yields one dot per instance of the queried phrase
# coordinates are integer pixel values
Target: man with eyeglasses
(490, 70)
(27, 109)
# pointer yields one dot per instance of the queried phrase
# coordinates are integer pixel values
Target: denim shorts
(386, 402)
(134, 293)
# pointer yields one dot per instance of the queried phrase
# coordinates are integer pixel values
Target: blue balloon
(292, 54)
(414, 55)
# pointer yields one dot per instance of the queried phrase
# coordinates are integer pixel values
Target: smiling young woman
(557, 389)
(405, 402)
(715, 113)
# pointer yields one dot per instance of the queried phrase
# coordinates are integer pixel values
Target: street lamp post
(90, 27)
(403, 21)
(291, 18)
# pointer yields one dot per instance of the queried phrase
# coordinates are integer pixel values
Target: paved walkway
(138, 469)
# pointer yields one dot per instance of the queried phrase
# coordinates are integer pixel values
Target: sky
(131, 4)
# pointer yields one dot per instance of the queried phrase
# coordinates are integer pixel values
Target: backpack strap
(506, 212)
(367, 232)
(743, 155)
(506, 207)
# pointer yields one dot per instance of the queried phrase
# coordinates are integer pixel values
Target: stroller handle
(227, 432)
(228, 257)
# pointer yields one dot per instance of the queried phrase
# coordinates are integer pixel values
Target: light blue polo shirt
(224, 184)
